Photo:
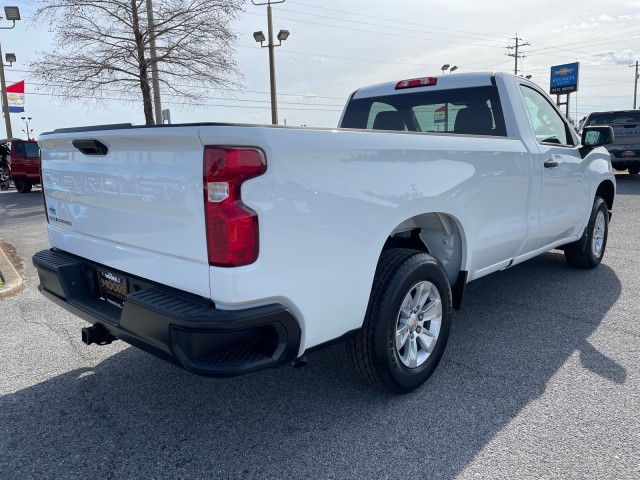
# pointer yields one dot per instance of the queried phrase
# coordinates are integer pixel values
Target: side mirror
(597, 136)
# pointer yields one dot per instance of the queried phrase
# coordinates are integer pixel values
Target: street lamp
(11, 14)
(26, 120)
(260, 38)
(453, 69)
(444, 68)
(528, 77)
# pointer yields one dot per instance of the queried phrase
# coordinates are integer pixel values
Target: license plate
(113, 288)
(629, 153)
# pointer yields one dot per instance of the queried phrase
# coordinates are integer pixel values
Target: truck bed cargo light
(417, 82)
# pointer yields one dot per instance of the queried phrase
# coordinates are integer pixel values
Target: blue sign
(564, 78)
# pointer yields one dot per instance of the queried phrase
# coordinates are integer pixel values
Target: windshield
(613, 118)
(27, 149)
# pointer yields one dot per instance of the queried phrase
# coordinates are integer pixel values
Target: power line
(391, 26)
(396, 21)
(369, 60)
(221, 89)
(197, 104)
(591, 41)
(379, 32)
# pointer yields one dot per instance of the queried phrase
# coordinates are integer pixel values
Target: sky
(336, 47)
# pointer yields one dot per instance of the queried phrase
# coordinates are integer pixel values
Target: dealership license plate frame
(113, 287)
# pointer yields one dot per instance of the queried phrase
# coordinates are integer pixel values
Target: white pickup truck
(226, 249)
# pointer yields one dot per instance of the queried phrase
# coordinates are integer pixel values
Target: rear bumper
(624, 158)
(176, 326)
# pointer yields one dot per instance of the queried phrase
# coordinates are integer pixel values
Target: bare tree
(102, 49)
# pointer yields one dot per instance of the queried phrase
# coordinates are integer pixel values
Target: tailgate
(137, 205)
(626, 134)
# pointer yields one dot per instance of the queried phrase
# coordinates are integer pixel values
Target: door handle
(550, 164)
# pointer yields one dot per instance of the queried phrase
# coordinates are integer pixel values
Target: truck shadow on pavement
(133, 415)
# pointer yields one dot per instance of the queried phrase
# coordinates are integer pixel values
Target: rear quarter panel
(330, 199)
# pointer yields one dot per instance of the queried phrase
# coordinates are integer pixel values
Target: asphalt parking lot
(540, 379)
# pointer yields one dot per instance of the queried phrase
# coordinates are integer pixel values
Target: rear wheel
(407, 322)
(22, 186)
(634, 170)
(588, 252)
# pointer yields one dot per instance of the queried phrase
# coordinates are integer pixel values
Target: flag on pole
(15, 97)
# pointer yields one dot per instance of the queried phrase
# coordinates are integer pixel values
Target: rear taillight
(232, 227)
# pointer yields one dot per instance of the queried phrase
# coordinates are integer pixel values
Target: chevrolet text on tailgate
(226, 249)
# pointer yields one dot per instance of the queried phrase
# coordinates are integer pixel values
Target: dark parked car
(625, 150)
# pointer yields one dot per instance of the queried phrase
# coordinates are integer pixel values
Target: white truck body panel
(136, 210)
(326, 205)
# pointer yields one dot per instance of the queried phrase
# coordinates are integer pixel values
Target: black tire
(634, 170)
(5, 175)
(589, 250)
(374, 351)
(22, 186)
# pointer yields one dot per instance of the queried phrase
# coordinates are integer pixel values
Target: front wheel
(22, 186)
(589, 250)
(407, 323)
(5, 176)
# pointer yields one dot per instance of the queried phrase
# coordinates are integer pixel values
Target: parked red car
(23, 160)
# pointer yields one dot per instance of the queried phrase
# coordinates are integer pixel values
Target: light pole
(453, 69)
(26, 120)
(12, 14)
(259, 37)
(444, 68)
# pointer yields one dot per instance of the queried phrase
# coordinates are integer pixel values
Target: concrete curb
(12, 280)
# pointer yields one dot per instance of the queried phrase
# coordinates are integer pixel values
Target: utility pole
(635, 87)
(5, 101)
(157, 106)
(516, 53)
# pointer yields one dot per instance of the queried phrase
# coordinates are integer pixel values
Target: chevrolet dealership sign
(564, 78)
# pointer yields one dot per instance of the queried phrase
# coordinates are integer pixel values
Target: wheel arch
(441, 235)
(606, 190)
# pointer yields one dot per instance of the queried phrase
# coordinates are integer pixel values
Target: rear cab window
(613, 118)
(468, 111)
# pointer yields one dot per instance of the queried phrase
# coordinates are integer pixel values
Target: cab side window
(548, 124)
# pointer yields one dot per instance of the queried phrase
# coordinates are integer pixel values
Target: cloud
(598, 21)
(611, 57)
